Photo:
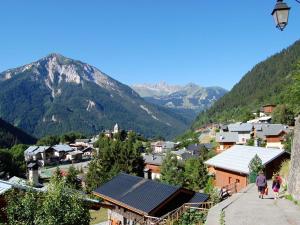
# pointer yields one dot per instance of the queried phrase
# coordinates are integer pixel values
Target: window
(237, 181)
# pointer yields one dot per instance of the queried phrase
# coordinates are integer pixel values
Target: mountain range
(275, 80)
(187, 100)
(56, 94)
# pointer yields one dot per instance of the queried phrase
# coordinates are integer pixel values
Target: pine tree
(195, 174)
(171, 171)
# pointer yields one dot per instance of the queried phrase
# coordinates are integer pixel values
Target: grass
(222, 218)
(290, 198)
(98, 216)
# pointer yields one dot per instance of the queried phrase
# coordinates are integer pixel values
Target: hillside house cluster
(50, 155)
(153, 162)
(273, 135)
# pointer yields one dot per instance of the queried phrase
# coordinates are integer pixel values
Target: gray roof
(258, 126)
(153, 159)
(85, 140)
(240, 127)
(17, 180)
(199, 197)
(4, 187)
(180, 152)
(194, 147)
(62, 148)
(274, 129)
(135, 192)
(238, 157)
(227, 137)
(33, 150)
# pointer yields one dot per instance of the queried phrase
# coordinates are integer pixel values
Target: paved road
(248, 209)
(47, 172)
(103, 223)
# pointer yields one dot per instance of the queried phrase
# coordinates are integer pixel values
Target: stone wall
(294, 175)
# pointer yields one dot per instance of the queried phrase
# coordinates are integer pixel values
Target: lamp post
(281, 14)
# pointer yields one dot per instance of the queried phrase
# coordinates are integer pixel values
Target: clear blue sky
(137, 41)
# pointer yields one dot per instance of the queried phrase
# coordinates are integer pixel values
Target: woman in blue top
(261, 183)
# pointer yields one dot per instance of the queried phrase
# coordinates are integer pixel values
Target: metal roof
(32, 150)
(238, 157)
(240, 127)
(137, 193)
(273, 129)
(154, 159)
(62, 148)
(227, 137)
(4, 187)
(199, 197)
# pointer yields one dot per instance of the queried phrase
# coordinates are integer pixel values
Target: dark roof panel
(199, 197)
(136, 192)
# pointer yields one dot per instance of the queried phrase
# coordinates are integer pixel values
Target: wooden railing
(173, 216)
(228, 190)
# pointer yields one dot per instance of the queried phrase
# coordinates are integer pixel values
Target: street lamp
(281, 14)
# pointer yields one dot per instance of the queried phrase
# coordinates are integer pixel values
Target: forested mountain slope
(270, 81)
(10, 135)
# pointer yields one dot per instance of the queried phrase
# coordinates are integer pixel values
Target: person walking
(261, 183)
(276, 185)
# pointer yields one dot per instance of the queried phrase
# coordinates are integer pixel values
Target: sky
(211, 43)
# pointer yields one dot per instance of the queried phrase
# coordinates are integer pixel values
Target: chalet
(61, 150)
(162, 146)
(192, 151)
(272, 134)
(275, 135)
(74, 156)
(226, 140)
(231, 166)
(183, 154)
(244, 131)
(153, 164)
(135, 200)
(88, 152)
(268, 109)
(44, 155)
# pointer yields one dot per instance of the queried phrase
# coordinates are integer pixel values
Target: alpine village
(78, 147)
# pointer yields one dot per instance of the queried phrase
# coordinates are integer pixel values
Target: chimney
(147, 173)
(33, 173)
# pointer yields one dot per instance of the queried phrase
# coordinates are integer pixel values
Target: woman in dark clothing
(276, 185)
(261, 183)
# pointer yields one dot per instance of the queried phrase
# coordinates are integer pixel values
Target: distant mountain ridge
(190, 96)
(10, 135)
(56, 94)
